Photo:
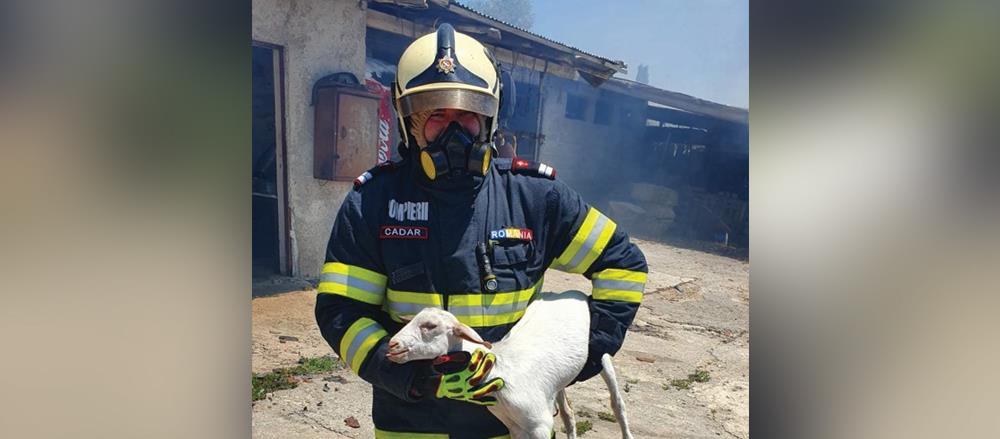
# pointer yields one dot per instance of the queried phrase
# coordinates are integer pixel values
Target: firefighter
(448, 226)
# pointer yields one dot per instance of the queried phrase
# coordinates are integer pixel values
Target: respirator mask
(455, 154)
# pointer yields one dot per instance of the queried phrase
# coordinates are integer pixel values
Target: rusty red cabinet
(345, 134)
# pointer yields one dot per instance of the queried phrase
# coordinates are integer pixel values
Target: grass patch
(269, 382)
(631, 381)
(584, 413)
(605, 416)
(583, 426)
(681, 384)
(699, 376)
(284, 378)
(309, 366)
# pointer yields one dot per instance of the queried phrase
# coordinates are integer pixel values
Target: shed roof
(621, 63)
(679, 100)
(595, 69)
(592, 67)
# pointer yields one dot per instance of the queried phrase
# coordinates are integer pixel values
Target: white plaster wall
(320, 37)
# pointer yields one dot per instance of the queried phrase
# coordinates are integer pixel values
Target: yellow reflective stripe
(598, 248)
(588, 243)
(491, 320)
(382, 434)
(354, 271)
(477, 299)
(621, 296)
(579, 238)
(473, 309)
(415, 297)
(406, 304)
(341, 289)
(621, 274)
(358, 341)
(481, 310)
(353, 282)
(618, 284)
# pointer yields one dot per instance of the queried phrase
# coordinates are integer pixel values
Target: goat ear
(469, 334)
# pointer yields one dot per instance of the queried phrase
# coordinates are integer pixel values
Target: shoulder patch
(537, 169)
(371, 173)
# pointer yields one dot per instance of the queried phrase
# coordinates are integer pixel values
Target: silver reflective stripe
(588, 245)
(408, 308)
(621, 285)
(352, 282)
(358, 339)
(553, 295)
(488, 310)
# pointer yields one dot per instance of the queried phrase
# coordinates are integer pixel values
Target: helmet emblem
(446, 64)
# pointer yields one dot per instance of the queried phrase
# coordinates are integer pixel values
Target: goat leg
(617, 404)
(566, 414)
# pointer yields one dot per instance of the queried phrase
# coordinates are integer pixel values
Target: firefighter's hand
(463, 375)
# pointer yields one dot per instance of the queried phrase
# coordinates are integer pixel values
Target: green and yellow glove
(462, 377)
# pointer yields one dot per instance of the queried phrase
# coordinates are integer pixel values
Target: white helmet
(447, 69)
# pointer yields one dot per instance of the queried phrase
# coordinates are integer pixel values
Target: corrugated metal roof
(622, 63)
(679, 100)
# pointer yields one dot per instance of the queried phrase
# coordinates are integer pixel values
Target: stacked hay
(649, 210)
(654, 194)
(659, 202)
(627, 214)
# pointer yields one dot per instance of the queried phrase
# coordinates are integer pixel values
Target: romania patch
(511, 234)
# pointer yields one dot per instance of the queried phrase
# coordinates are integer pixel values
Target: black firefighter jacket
(400, 244)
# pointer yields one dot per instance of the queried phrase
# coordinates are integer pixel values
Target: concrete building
(569, 111)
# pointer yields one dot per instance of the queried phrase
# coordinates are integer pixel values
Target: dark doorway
(523, 123)
(268, 182)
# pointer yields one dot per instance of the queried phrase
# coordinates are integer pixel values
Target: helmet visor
(460, 99)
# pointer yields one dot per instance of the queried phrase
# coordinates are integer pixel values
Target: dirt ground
(695, 315)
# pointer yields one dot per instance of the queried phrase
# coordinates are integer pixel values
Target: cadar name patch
(402, 232)
(511, 234)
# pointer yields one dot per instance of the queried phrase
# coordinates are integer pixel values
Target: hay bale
(626, 213)
(659, 229)
(660, 212)
(654, 194)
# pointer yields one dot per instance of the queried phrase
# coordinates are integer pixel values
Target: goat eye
(428, 326)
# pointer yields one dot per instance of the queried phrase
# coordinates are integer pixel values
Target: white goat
(540, 356)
